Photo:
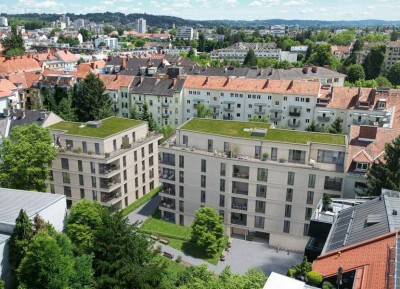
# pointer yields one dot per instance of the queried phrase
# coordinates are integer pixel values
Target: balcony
(216, 112)
(110, 183)
(167, 159)
(167, 203)
(168, 174)
(110, 198)
(240, 188)
(324, 118)
(229, 109)
(168, 189)
(139, 101)
(239, 219)
(291, 123)
(165, 104)
(239, 204)
(105, 169)
(240, 172)
(259, 111)
(165, 115)
(294, 113)
(275, 117)
(227, 117)
(332, 186)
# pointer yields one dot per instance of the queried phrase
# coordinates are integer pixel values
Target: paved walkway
(143, 212)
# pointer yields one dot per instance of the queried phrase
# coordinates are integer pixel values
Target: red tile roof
(7, 88)
(368, 258)
(66, 56)
(115, 82)
(25, 79)
(295, 87)
(10, 65)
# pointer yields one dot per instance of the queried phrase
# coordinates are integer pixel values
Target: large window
(330, 157)
(257, 152)
(308, 214)
(262, 175)
(261, 191)
(80, 168)
(222, 185)
(260, 207)
(286, 226)
(67, 191)
(227, 147)
(259, 222)
(362, 167)
(181, 161)
(274, 154)
(203, 181)
(223, 169)
(81, 182)
(203, 196)
(210, 145)
(64, 164)
(221, 200)
(289, 194)
(296, 156)
(290, 180)
(310, 197)
(185, 140)
(311, 181)
(288, 211)
(305, 230)
(333, 184)
(66, 178)
(181, 177)
(203, 166)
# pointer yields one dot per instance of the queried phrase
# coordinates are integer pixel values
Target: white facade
(79, 23)
(234, 54)
(108, 41)
(140, 25)
(4, 21)
(278, 30)
(185, 32)
(275, 197)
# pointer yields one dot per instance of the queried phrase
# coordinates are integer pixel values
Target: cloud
(230, 3)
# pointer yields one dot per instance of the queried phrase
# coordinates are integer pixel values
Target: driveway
(143, 212)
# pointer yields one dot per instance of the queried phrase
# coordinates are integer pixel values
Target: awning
(324, 111)
(260, 104)
(228, 102)
(295, 106)
(276, 110)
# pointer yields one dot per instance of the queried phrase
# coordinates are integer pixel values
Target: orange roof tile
(347, 97)
(66, 56)
(115, 82)
(295, 87)
(10, 65)
(24, 79)
(7, 88)
(369, 258)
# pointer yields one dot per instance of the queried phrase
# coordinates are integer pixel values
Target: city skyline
(220, 10)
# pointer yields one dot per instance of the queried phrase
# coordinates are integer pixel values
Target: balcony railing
(332, 186)
(108, 169)
(167, 162)
(138, 101)
(293, 124)
(240, 191)
(228, 117)
(165, 115)
(170, 177)
(108, 197)
(165, 104)
(294, 113)
(259, 111)
(229, 108)
(110, 183)
(168, 205)
(168, 191)
(324, 118)
(275, 117)
(241, 175)
(239, 205)
(238, 222)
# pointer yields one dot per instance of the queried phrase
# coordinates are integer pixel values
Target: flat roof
(108, 127)
(278, 281)
(237, 129)
(12, 201)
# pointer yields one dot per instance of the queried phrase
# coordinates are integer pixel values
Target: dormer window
(362, 167)
(381, 104)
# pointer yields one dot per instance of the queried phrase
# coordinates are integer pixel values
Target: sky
(220, 9)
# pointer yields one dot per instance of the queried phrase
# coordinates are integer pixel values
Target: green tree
(383, 82)
(394, 74)
(134, 113)
(91, 102)
(208, 230)
(355, 72)
(83, 221)
(322, 55)
(191, 53)
(167, 131)
(146, 116)
(259, 119)
(373, 62)
(313, 127)
(13, 45)
(65, 107)
(18, 244)
(394, 36)
(45, 265)
(203, 111)
(86, 34)
(107, 30)
(386, 173)
(27, 156)
(336, 127)
(250, 59)
(314, 278)
(1, 284)
(121, 255)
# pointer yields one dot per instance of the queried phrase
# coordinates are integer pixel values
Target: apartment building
(140, 25)
(392, 54)
(278, 30)
(220, 164)
(113, 161)
(185, 32)
(287, 103)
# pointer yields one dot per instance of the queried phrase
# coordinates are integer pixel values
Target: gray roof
(31, 117)
(363, 222)
(156, 86)
(298, 73)
(12, 201)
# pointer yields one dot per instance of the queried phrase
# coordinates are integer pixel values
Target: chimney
(123, 65)
(65, 50)
(266, 83)
(314, 69)
(206, 81)
(368, 132)
(290, 85)
(228, 80)
(305, 69)
(92, 65)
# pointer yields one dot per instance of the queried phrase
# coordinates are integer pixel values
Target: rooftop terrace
(108, 127)
(237, 129)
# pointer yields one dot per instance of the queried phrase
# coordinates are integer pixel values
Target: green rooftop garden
(236, 129)
(108, 127)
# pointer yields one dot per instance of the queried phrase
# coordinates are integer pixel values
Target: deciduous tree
(13, 45)
(203, 111)
(373, 63)
(394, 73)
(355, 72)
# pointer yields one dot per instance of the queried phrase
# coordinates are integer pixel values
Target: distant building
(392, 54)
(79, 23)
(52, 208)
(4, 21)
(64, 18)
(278, 30)
(140, 25)
(109, 42)
(301, 49)
(185, 32)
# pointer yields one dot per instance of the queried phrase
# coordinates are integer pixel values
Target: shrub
(77, 150)
(314, 278)
(179, 259)
(328, 285)
(291, 272)
(158, 249)
(265, 155)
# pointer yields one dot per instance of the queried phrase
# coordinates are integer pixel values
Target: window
(67, 191)
(260, 207)
(203, 166)
(289, 194)
(276, 102)
(52, 189)
(150, 148)
(64, 164)
(51, 176)
(262, 175)
(181, 177)
(142, 150)
(185, 140)
(285, 98)
(257, 152)
(308, 213)
(296, 156)
(181, 206)
(310, 197)
(151, 161)
(203, 181)
(210, 145)
(362, 167)
(84, 147)
(92, 167)
(222, 185)
(305, 230)
(66, 178)
(334, 184)
(261, 191)
(181, 161)
(93, 182)
(221, 200)
(135, 156)
(94, 193)
(274, 154)
(223, 169)
(115, 144)
(227, 147)
(125, 175)
(97, 148)
(290, 180)
(81, 182)
(259, 222)
(124, 161)
(311, 180)
(203, 196)
(143, 165)
(330, 157)
(286, 226)
(288, 211)
(82, 193)
(80, 168)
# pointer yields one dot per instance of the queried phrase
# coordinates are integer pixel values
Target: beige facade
(115, 169)
(274, 197)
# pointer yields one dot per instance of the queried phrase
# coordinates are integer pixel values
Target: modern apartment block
(220, 164)
(140, 25)
(392, 54)
(185, 32)
(113, 161)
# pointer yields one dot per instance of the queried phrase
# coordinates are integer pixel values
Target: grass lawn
(236, 129)
(139, 202)
(108, 127)
(172, 266)
(178, 237)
